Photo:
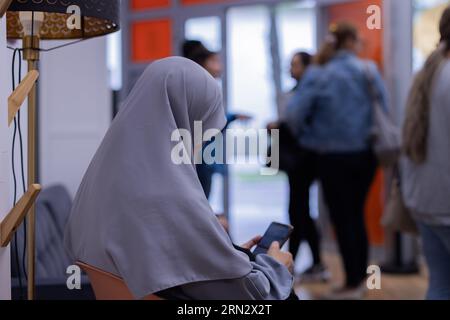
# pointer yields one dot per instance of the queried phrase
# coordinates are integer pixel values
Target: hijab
(136, 213)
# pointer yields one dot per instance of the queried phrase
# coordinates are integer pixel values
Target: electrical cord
(22, 167)
(16, 242)
(18, 130)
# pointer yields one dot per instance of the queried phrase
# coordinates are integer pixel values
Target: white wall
(5, 206)
(398, 52)
(75, 110)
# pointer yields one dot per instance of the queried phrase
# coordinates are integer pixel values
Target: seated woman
(142, 217)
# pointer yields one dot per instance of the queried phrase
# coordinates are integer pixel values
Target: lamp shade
(97, 17)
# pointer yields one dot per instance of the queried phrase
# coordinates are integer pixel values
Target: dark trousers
(346, 180)
(300, 180)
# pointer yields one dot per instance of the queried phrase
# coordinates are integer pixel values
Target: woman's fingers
(250, 244)
(274, 247)
(284, 258)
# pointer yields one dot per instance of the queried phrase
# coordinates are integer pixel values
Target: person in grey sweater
(426, 167)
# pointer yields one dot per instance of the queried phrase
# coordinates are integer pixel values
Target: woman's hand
(250, 244)
(284, 258)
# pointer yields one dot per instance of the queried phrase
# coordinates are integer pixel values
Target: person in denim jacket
(332, 115)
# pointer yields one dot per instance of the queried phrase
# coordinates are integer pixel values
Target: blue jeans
(436, 248)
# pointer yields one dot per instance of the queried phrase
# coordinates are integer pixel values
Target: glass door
(208, 30)
(255, 200)
(261, 40)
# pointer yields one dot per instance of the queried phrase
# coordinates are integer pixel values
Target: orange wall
(151, 40)
(355, 12)
(149, 4)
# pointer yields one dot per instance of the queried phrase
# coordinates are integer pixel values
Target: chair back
(107, 286)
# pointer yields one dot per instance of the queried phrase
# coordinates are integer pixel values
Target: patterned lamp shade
(97, 17)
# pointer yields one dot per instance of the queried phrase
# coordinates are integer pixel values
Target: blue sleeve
(301, 104)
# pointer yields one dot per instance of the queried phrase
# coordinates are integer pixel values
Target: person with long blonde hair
(426, 167)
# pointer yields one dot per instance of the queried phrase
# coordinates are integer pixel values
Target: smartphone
(276, 232)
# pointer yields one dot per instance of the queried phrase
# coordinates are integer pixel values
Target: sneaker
(347, 293)
(316, 273)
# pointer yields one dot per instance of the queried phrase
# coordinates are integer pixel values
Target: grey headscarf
(137, 214)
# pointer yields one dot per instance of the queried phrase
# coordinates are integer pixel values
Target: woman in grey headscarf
(142, 217)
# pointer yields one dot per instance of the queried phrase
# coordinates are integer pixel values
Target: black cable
(15, 125)
(24, 188)
(32, 24)
(16, 244)
(16, 241)
(24, 267)
(22, 166)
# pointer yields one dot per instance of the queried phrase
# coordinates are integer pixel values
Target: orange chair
(107, 286)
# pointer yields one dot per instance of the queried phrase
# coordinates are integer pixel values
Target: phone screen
(276, 232)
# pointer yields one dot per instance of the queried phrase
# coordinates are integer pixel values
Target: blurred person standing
(426, 167)
(196, 51)
(332, 115)
(300, 166)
